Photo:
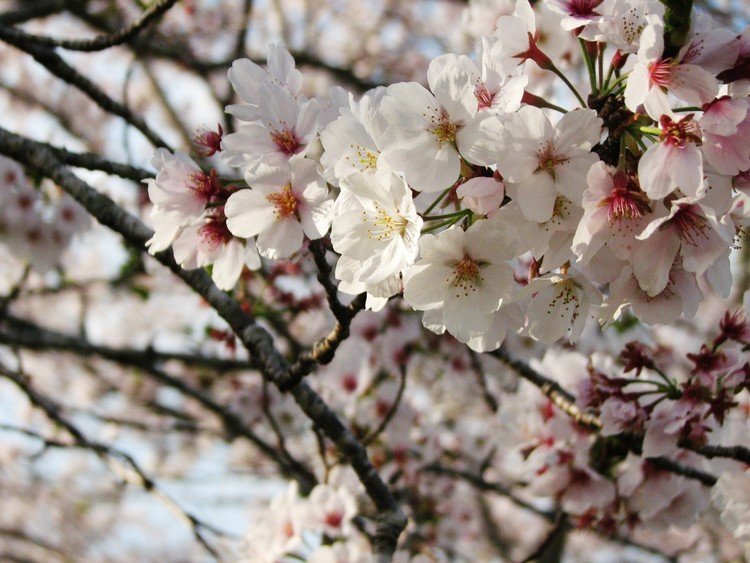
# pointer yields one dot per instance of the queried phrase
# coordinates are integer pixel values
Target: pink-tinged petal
(652, 260)
(530, 122)
(306, 126)
(315, 218)
(657, 442)
(425, 286)
(433, 172)
(482, 140)
(448, 246)
(637, 87)
(245, 77)
(693, 85)
(728, 156)
(405, 106)
(536, 197)
(228, 265)
(580, 128)
(453, 81)
(248, 213)
(570, 176)
(685, 168)
(714, 50)
(706, 247)
(724, 116)
(657, 103)
(653, 171)
(281, 240)
(463, 321)
(585, 244)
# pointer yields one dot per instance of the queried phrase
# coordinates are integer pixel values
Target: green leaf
(676, 25)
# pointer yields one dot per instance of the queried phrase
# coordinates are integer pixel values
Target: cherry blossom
(461, 273)
(281, 208)
(377, 225)
(540, 161)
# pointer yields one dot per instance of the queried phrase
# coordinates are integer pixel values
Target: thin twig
(100, 42)
(390, 518)
(57, 66)
(372, 436)
(122, 462)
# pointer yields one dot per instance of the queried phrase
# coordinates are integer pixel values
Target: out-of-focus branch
(57, 66)
(390, 518)
(482, 484)
(562, 398)
(179, 51)
(32, 10)
(20, 333)
(323, 351)
(125, 466)
(371, 437)
(565, 401)
(101, 42)
(238, 51)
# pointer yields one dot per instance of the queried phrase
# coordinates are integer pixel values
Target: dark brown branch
(32, 10)
(371, 437)
(101, 42)
(324, 350)
(57, 66)
(552, 547)
(738, 453)
(54, 413)
(390, 518)
(90, 161)
(562, 398)
(17, 332)
(565, 401)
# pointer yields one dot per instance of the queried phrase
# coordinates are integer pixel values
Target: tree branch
(390, 518)
(101, 42)
(17, 332)
(57, 66)
(124, 461)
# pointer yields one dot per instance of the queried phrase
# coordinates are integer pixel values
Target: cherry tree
(375, 281)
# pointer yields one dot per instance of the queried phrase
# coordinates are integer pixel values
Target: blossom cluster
(36, 224)
(483, 203)
(469, 197)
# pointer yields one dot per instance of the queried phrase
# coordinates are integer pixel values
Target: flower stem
(589, 65)
(446, 215)
(437, 226)
(438, 200)
(567, 82)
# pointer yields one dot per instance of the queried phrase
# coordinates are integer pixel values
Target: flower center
(679, 133)
(384, 225)
(548, 160)
(484, 97)
(623, 202)
(334, 519)
(565, 297)
(285, 202)
(584, 7)
(215, 231)
(443, 129)
(204, 185)
(466, 276)
(286, 140)
(366, 158)
(660, 73)
(689, 224)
